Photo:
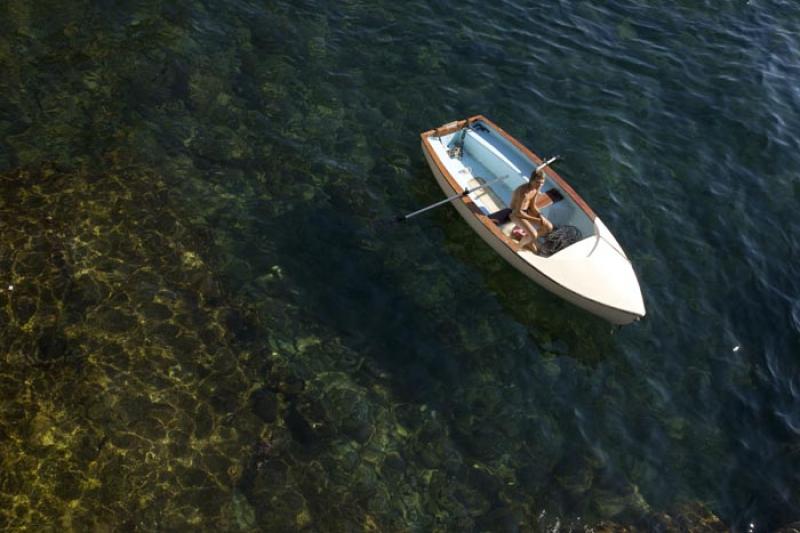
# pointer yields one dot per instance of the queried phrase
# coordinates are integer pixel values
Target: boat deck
(593, 272)
(482, 161)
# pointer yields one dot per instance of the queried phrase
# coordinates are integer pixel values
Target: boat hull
(467, 212)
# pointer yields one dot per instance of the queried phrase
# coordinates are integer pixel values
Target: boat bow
(594, 273)
(597, 269)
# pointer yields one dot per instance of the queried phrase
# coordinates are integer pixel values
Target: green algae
(103, 351)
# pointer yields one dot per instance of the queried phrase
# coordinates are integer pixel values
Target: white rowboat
(593, 273)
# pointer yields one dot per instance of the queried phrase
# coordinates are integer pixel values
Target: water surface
(204, 322)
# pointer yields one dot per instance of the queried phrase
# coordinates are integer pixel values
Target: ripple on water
(207, 327)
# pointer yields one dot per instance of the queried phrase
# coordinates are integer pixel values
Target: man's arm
(530, 210)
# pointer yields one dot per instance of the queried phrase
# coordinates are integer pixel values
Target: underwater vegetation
(138, 391)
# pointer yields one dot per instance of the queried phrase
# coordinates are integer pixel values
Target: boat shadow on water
(556, 326)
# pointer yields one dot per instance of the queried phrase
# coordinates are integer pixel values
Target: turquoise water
(206, 324)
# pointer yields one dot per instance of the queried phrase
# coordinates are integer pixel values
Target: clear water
(205, 324)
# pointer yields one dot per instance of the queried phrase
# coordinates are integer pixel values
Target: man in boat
(526, 215)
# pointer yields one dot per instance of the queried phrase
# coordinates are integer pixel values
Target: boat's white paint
(594, 273)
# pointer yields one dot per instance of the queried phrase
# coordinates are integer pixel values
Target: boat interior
(478, 154)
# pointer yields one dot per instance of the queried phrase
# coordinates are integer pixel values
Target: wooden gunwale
(474, 209)
(536, 159)
(487, 222)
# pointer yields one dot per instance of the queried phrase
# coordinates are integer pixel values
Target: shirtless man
(525, 214)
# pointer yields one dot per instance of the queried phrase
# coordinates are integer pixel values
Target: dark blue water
(206, 321)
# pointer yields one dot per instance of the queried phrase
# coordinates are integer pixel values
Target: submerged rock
(52, 345)
(265, 405)
(302, 432)
(243, 513)
(501, 519)
(692, 516)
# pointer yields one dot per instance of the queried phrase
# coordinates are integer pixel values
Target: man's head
(537, 177)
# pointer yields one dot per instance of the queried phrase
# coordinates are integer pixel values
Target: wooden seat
(486, 196)
(549, 197)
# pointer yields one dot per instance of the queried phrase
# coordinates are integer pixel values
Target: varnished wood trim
(542, 201)
(580, 202)
(474, 209)
(450, 127)
(493, 228)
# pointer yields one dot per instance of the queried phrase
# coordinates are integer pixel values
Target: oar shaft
(466, 192)
(432, 206)
(547, 163)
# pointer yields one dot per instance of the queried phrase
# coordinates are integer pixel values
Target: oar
(465, 192)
